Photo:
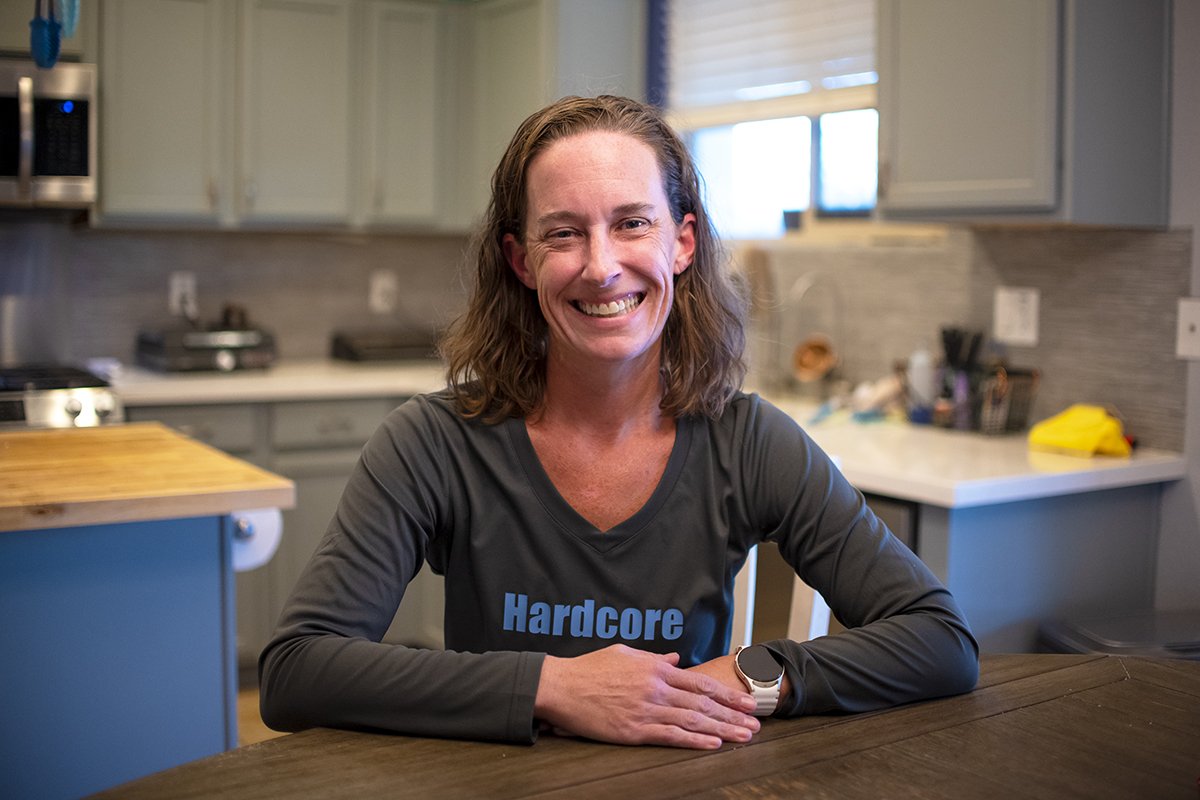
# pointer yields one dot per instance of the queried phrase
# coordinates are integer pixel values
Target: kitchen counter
(923, 464)
(311, 379)
(54, 478)
(959, 469)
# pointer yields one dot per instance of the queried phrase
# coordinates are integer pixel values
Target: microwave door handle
(25, 152)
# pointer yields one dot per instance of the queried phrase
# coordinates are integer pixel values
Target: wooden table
(1037, 726)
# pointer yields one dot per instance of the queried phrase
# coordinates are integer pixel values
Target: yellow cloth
(1081, 430)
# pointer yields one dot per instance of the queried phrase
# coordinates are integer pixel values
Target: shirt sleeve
(326, 664)
(906, 637)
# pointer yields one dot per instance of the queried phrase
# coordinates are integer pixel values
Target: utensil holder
(1005, 399)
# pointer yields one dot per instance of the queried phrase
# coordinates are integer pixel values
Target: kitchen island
(116, 591)
(1020, 537)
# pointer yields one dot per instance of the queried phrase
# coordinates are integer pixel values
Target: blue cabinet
(118, 652)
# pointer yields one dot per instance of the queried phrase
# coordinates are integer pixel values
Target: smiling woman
(590, 485)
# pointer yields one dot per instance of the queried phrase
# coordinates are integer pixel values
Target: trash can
(1161, 634)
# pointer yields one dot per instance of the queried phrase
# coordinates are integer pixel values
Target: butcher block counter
(117, 595)
(54, 478)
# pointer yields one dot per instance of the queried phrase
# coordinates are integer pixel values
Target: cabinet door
(161, 107)
(968, 104)
(400, 140)
(295, 103)
(511, 45)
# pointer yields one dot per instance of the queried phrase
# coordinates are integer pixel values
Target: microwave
(47, 134)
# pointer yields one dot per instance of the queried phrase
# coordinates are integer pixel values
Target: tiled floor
(251, 728)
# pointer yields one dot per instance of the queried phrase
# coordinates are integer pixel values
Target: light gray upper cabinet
(295, 122)
(1026, 110)
(362, 114)
(166, 69)
(402, 153)
(519, 55)
(270, 113)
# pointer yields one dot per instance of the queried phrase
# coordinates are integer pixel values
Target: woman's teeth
(615, 308)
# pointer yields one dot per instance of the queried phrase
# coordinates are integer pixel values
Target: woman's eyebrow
(557, 217)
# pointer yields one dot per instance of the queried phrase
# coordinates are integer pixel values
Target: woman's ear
(685, 244)
(517, 257)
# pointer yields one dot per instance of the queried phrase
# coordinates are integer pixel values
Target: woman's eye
(564, 233)
(633, 224)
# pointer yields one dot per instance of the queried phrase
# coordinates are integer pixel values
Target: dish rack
(1006, 397)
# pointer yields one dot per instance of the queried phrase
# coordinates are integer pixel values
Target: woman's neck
(611, 401)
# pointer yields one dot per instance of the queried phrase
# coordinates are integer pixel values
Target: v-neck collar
(570, 520)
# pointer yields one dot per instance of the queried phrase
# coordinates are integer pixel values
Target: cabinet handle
(212, 194)
(337, 425)
(251, 191)
(885, 176)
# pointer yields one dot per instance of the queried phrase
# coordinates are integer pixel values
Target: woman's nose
(601, 265)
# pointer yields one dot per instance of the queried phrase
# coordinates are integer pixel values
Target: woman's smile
(611, 308)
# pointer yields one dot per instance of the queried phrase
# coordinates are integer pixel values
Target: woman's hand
(629, 696)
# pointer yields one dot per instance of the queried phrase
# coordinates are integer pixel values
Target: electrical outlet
(1015, 316)
(384, 291)
(1187, 331)
(181, 294)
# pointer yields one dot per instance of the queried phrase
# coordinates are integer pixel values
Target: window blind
(721, 52)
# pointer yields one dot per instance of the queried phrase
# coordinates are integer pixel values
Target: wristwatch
(762, 674)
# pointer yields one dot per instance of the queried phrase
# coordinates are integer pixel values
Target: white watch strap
(765, 699)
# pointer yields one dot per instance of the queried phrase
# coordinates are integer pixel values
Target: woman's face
(600, 248)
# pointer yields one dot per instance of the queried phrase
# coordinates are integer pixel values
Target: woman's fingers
(619, 694)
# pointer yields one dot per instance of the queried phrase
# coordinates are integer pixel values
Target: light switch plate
(1015, 316)
(1187, 331)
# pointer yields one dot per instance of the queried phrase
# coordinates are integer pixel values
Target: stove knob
(73, 407)
(224, 360)
(103, 406)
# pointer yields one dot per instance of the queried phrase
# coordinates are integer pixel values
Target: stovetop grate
(46, 376)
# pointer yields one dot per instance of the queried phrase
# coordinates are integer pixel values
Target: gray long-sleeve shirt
(526, 576)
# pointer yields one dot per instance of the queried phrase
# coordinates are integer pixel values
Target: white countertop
(314, 379)
(912, 462)
(958, 469)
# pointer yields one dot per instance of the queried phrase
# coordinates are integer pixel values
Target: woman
(590, 484)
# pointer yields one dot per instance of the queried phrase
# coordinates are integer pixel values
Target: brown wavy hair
(496, 351)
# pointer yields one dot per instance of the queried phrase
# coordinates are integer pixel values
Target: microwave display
(60, 137)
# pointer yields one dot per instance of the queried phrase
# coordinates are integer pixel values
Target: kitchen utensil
(814, 358)
(44, 35)
(68, 15)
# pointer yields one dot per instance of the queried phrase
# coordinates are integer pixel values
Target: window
(777, 101)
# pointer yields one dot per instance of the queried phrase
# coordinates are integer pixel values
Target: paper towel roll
(256, 535)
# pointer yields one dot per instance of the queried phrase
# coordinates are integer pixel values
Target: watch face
(758, 664)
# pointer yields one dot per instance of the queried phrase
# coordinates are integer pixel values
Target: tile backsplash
(1106, 332)
(102, 286)
(1107, 310)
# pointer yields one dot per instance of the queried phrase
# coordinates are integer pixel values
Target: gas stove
(50, 396)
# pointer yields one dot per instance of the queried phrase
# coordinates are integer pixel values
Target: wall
(1178, 586)
(1107, 317)
(101, 286)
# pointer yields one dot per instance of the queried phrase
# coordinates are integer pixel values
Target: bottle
(922, 386)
